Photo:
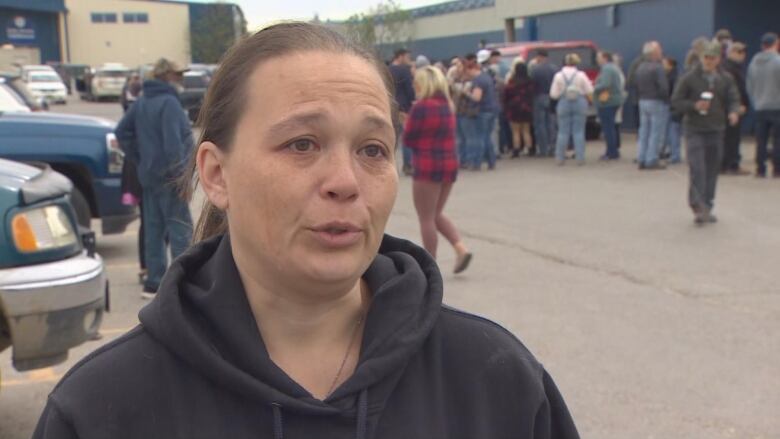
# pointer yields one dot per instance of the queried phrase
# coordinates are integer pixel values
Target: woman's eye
(302, 145)
(374, 151)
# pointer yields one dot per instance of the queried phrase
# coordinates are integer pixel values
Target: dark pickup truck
(84, 149)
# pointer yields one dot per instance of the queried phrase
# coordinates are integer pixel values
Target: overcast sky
(261, 12)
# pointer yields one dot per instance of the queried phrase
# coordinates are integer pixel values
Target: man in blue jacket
(156, 136)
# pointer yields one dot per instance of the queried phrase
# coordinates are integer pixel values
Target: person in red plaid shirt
(430, 133)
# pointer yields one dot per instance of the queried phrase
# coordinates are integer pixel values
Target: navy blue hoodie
(196, 367)
(155, 134)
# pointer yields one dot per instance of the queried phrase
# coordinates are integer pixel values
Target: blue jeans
(407, 154)
(505, 134)
(463, 131)
(653, 117)
(544, 125)
(572, 115)
(165, 214)
(767, 121)
(673, 140)
(468, 131)
(483, 148)
(607, 118)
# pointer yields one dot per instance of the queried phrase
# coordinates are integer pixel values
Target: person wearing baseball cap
(707, 97)
(167, 70)
(483, 56)
(156, 136)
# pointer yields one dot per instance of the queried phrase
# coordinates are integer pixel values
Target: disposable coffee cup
(706, 96)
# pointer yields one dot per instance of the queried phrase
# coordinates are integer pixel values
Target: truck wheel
(81, 206)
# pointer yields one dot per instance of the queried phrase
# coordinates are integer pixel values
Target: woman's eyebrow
(311, 118)
(375, 122)
(318, 118)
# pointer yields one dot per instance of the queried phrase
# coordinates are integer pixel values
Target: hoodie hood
(762, 58)
(155, 87)
(201, 315)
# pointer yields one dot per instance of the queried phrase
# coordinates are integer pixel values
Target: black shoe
(760, 173)
(148, 293)
(462, 263)
(515, 153)
(654, 167)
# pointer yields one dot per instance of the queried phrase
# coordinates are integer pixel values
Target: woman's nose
(341, 182)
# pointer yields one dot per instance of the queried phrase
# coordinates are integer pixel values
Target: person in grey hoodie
(156, 136)
(763, 86)
(707, 97)
(653, 89)
(608, 92)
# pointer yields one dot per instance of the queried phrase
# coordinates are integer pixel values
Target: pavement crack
(628, 277)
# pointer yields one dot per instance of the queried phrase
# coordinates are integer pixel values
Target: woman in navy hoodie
(294, 315)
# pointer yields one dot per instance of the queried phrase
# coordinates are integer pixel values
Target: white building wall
(520, 8)
(458, 23)
(167, 34)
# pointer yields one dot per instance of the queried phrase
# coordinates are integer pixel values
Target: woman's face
(310, 179)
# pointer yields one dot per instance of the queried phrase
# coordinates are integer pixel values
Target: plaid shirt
(430, 133)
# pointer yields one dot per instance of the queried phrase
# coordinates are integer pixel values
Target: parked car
(47, 85)
(557, 51)
(82, 148)
(53, 287)
(10, 101)
(106, 82)
(25, 70)
(195, 85)
(14, 85)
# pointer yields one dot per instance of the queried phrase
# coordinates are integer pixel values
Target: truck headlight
(116, 157)
(41, 229)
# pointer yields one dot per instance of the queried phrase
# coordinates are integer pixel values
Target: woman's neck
(314, 339)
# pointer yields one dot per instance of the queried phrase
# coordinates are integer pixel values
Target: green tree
(384, 27)
(218, 27)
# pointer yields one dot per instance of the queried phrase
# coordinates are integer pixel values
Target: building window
(135, 17)
(103, 17)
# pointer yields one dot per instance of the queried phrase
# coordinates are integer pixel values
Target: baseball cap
(163, 66)
(723, 34)
(712, 48)
(483, 55)
(769, 39)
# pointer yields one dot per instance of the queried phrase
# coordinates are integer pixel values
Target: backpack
(571, 91)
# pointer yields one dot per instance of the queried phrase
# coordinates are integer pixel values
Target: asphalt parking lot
(651, 326)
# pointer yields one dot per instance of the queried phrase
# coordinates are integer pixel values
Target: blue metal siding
(748, 24)
(35, 5)
(44, 24)
(674, 23)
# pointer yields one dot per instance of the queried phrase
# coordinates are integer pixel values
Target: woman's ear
(211, 172)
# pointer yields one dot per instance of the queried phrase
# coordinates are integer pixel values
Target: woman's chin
(333, 268)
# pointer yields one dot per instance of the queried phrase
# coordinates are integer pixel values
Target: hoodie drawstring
(278, 431)
(362, 415)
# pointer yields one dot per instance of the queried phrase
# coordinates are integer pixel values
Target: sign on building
(20, 30)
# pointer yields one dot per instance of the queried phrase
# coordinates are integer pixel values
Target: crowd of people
(542, 108)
